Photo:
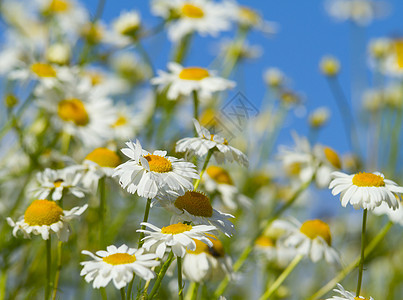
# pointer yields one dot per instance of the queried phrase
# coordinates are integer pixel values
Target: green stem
(65, 142)
(146, 57)
(48, 267)
(191, 293)
(3, 284)
(180, 286)
(102, 208)
(233, 58)
(161, 275)
(196, 105)
(100, 10)
(209, 153)
(347, 270)
(182, 48)
(103, 293)
(361, 264)
(122, 293)
(282, 277)
(59, 267)
(394, 142)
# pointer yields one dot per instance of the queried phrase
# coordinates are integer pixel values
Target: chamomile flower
(182, 81)
(45, 216)
(393, 64)
(55, 182)
(44, 72)
(205, 141)
(195, 207)
(395, 215)
(149, 174)
(187, 16)
(178, 237)
(125, 29)
(346, 295)
(365, 190)
(206, 263)
(117, 265)
(312, 239)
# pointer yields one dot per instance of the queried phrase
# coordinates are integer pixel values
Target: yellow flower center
(58, 182)
(264, 241)
(368, 179)
(193, 73)
(95, 77)
(176, 228)
(121, 120)
(249, 15)
(42, 212)
(399, 53)
(59, 6)
(192, 11)
(158, 163)
(332, 157)
(219, 175)
(195, 203)
(73, 110)
(119, 259)
(43, 70)
(294, 168)
(104, 157)
(315, 228)
(216, 251)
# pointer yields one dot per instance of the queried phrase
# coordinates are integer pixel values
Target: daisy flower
(394, 215)
(365, 190)
(45, 216)
(34, 70)
(125, 29)
(118, 265)
(178, 237)
(205, 141)
(346, 295)
(206, 263)
(183, 81)
(195, 207)
(187, 16)
(393, 64)
(266, 247)
(55, 182)
(312, 239)
(149, 174)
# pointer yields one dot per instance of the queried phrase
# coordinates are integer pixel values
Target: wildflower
(58, 53)
(45, 216)
(394, 61)
(149, 174)
(178, 237)
(126, 29)
(183, 81)
(365, 190)
(118, 265)
(346, 295)
(394, 215)
(274, 77)
(206, 141)
(329, 66)
(319, 117)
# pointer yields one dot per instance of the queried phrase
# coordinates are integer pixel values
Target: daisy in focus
(149, 174)
(206, 141)
(312, 239)
(43, 217)
(117, 265)
(188, 16)
(207, 263)
(178, 237)
(57, 182)
(181, 81)
(196, 207)
(365, 190)
(346, 295)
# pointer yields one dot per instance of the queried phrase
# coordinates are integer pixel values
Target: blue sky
(306, 33)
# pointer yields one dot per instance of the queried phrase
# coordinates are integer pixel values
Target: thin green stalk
(48, 267)
(233, 58)
(195, 105)
(347, 270)
(191, 293)
(361, 265)
(394, 142)
(122, 293)
(282, 277)
(3, 284)
(180, 286)
(209, 153)
(146, 57)
(59, 267)
(182, 48)
(103, 293)
(161, 275)
(66, 137)
(100, 10)
(102, 208)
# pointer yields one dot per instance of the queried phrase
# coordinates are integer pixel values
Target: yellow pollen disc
(195, 203)
(264, 241)
(332, 157)
(42, 212)
(399, 53)
(315, 228)
(158, 163)
(121, 120)
(43, 70)
(96, 78)
(249, 15)
(73, 110)
(104, 157)
(293, 169)
(368, 179)
(58, 182)
(360, 298)
(119, 259)
(219, 175)
(192, 11)
(193, 73)
(59, 6)
(176, 228)
(216, 251)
